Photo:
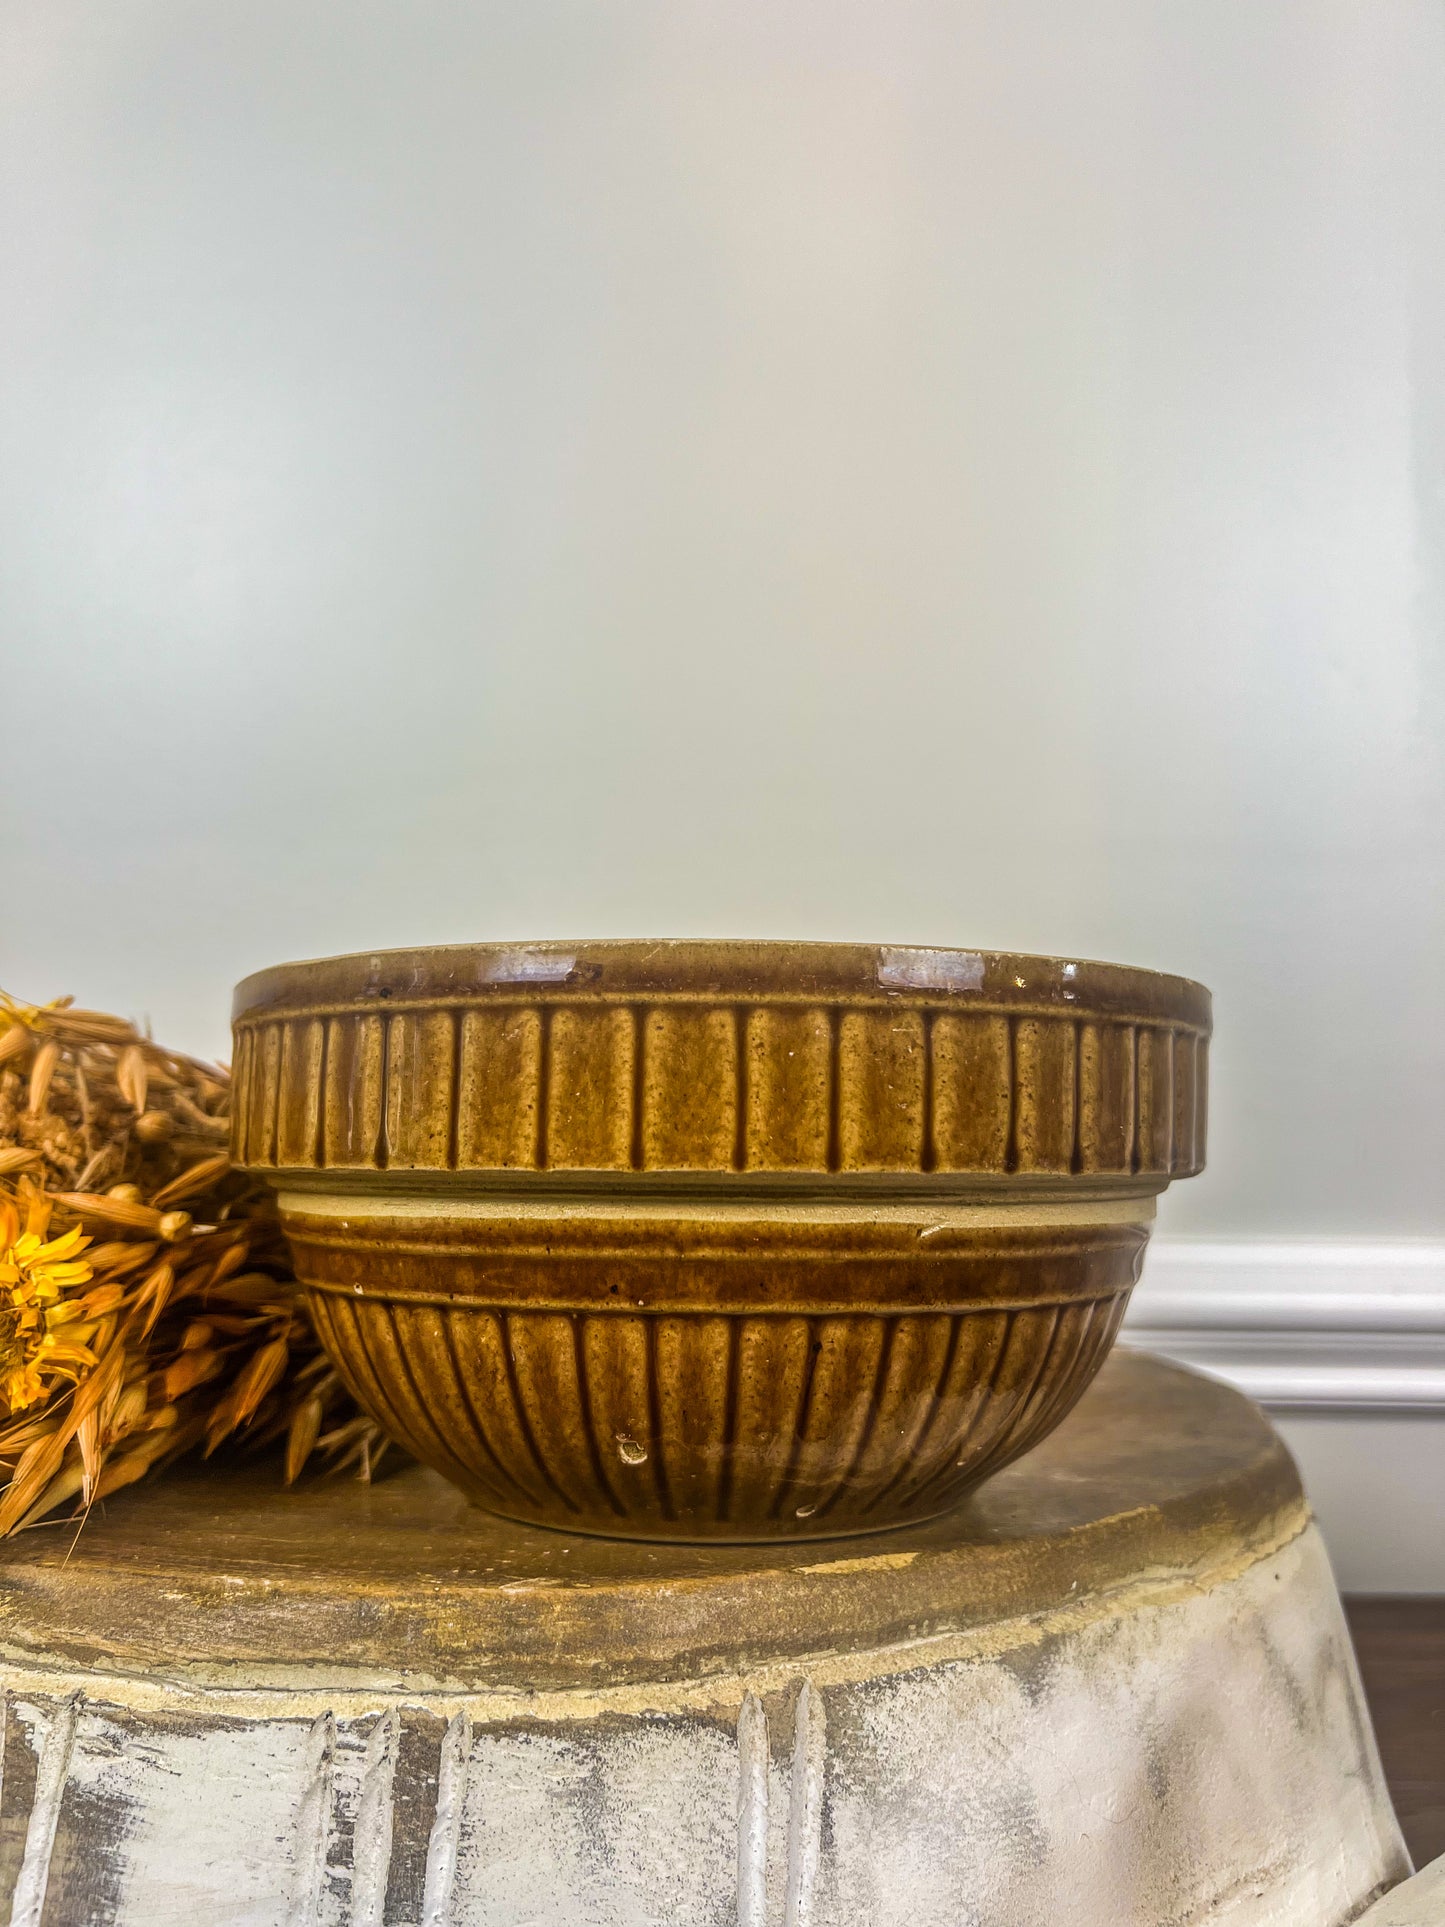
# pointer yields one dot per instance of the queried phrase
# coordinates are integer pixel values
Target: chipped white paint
(442, 1849)
(1207, 1762)
(1415, 1903)
(528, 966)
(1189, 1755)
(900, 969)
(752, 1813)
(155, 1777)
(371, 1853)
(607, 1825)
(51, 1773)
(805, 1807)
(313, 1823)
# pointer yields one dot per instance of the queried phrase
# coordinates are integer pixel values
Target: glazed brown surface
(718, 1057)
(705, 1427)
(722, 1379)
(674, 968)
(771, 1260)
(718, 1241)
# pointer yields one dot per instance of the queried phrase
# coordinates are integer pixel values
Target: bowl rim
(748, 970)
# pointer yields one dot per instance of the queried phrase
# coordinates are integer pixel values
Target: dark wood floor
(1401, 1646)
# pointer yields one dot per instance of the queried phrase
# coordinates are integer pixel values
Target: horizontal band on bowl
(708, 1269)
(740, 1091)
(742, 1238)
(528, 1301)
(332, 1190)
(514, 1215)
(723, 969)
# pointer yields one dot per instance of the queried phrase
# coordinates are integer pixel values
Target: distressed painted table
(1114, 1688)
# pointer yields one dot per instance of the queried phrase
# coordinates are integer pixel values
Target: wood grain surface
(1400, 1643)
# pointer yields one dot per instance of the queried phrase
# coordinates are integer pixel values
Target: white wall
(1378, 1485)
(1344, 1343)
(929, 470)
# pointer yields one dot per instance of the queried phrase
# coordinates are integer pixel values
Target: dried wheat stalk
(147, 1305)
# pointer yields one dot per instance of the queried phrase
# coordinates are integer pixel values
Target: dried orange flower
(42, 1330)
(178, 1328)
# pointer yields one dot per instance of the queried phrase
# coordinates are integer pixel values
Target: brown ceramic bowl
(718, 1240)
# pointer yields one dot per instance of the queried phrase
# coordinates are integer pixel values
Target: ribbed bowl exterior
(811, 1059)
(735, 1374)
(718, 1240)
(716, 1427)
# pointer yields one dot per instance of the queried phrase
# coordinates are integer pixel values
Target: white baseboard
(1324, 1326)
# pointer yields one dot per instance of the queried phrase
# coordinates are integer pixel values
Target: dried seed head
(90, 1026)
(131, 1076)
(42, 1071)
(200, 1177)
(191, 1369)
(120, 1213)
(154, 1295)
(104, 1298)
(301, 1436)
(198, 1121)
(258, 1377)
(88, 1435)
(121, 1257)
(130, 1409)
(229, 1262)
(188, 1336)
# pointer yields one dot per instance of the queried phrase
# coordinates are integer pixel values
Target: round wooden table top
(218, 1571)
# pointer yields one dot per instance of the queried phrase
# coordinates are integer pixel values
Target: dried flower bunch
(147, 1305)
